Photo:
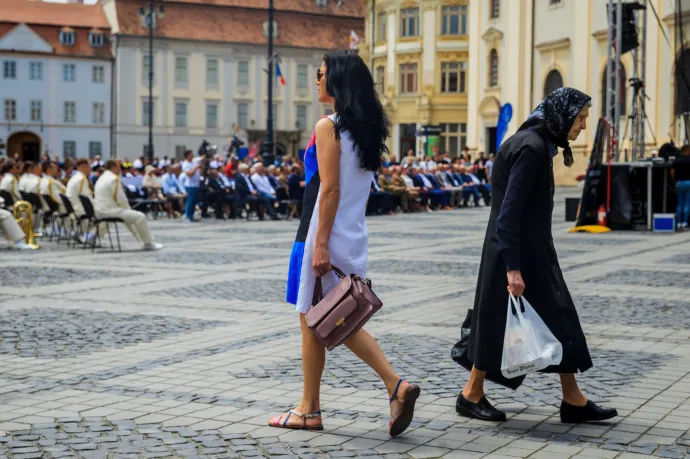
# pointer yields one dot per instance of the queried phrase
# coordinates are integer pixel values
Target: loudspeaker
(629, 32)
(571, 206)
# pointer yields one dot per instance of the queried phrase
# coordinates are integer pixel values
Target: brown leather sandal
(275, 422)
(401, 422)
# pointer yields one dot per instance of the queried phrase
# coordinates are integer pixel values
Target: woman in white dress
(340, 161)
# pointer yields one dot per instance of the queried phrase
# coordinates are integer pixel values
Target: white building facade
(202, 88)
(520, 50)
(55, 84)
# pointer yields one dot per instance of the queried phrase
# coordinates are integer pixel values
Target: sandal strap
(395, 392)
(315, 414)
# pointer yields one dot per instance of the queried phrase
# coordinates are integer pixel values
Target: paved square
(188, 351)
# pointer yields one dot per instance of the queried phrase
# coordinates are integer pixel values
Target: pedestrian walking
(340, 161)
(519, 258)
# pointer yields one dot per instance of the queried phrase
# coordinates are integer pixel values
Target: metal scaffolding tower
(636, 117)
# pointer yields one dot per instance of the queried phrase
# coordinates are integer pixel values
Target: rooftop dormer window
(322, 3)
(96, 38)
(67, 36)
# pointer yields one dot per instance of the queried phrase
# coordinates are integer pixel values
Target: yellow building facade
(419, 58)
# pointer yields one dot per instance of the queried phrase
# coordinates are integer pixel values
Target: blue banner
(504, 117)
(242, 152)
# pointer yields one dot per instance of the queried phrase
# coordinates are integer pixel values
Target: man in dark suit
(424, 193)
(247, 193)
(380, 202)
(218, 195)
(296, 183)
(469, 187)
(439, 190)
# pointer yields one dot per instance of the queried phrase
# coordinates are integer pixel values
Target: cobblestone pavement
(187, 352)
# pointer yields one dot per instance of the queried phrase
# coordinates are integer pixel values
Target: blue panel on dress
(311, 165)
(294, 272)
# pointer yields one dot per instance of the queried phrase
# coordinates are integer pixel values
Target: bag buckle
(340, 322)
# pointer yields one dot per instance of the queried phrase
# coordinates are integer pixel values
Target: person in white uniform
(10, 182)
(12, 232)
(30, 180)
(78, 185)
(340, 162)
(111, 201)
(51, 187)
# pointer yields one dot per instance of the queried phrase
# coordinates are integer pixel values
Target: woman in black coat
(519, 257)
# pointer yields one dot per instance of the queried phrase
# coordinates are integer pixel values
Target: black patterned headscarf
(554, 117)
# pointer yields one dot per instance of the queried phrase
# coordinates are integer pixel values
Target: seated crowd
(435, 183)
(200, 187)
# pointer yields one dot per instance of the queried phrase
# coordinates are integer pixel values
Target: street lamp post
(268, 156)
(150, 18)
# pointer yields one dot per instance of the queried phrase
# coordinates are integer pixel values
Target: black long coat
(519, 237)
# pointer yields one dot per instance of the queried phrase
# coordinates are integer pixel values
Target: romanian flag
(279, 74)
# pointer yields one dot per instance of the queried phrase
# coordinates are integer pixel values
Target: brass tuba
(24, 214)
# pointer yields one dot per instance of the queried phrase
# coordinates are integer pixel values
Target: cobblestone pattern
(266, 290)
(61, 333)
(462, 228)
(24, 276)
(678, 259)
(428, 359)
(423, 267)
(600, 240)
(376, 237)
(284, 231)
(202, 258)
(98, 438)
(262, 290)
(39, 384)
(633, 311)
(644, 277)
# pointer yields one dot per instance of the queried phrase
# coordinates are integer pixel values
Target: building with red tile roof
(208, 60)
(55, 85)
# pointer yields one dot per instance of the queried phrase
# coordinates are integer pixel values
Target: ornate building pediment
(561, 43)
(490, 106)
(492, 34)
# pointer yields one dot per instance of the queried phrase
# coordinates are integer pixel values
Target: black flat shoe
(591, 412)
(481, 410)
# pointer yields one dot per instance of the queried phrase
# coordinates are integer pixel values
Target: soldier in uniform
(111, 201)
(12, 232)
(80, 185)
(51, 186)
(9, 181)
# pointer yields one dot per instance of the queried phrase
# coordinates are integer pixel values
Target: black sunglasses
(319, 74)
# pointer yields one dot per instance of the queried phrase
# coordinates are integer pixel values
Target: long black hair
(357, 104)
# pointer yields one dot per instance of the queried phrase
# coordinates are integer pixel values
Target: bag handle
(518, 306)
(318, 286)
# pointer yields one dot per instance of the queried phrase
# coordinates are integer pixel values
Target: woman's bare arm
(328, 157)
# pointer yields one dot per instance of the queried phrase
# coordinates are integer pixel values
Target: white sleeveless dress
(348, 244)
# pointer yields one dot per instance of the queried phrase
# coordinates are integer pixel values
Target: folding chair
(8, 200)
(94, 222)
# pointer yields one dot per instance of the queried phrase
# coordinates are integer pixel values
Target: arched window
(683, 84)
(495, 8)
(493, 68)
(553, 82)
(622, 92)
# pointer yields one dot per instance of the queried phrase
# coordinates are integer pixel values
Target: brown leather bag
(341, 313)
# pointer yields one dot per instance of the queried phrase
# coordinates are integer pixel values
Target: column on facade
(428, 70)
(391, 35)
(474, 85)
(511, 58)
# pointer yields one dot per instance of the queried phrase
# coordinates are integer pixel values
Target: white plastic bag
(528, 344)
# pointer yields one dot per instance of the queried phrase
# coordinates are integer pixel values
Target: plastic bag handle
(518, 307)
